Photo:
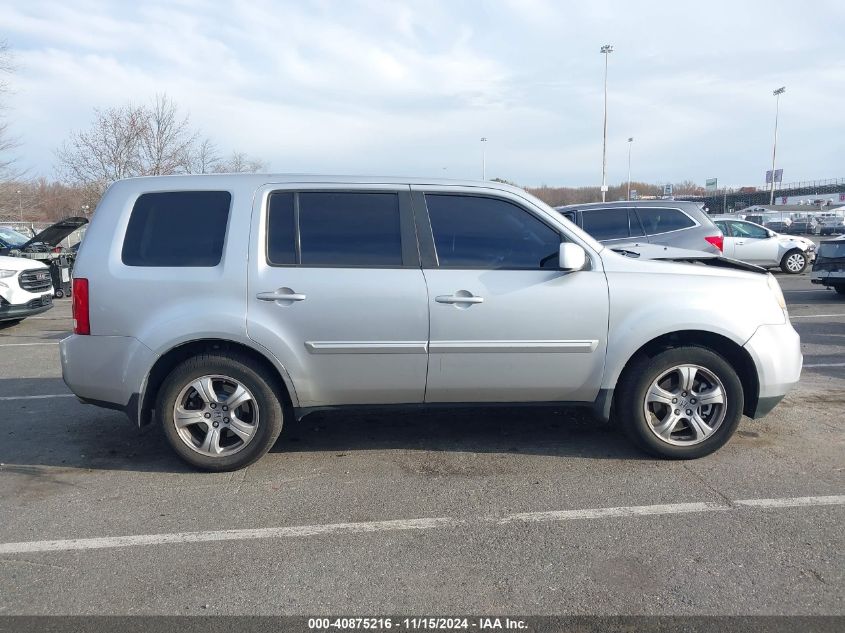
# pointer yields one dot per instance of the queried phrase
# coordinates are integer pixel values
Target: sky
(410, 88)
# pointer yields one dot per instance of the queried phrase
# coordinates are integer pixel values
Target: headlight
(7, 273)
(774, 286)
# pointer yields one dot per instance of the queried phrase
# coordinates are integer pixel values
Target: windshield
(11, 237)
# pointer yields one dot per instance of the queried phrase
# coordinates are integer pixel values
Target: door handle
(458, 299)
(742, 242)
(282, 294)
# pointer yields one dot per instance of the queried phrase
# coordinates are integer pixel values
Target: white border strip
(48, 395)
(28, 547)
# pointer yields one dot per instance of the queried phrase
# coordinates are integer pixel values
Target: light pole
(20, 205)
(630, 144)
(483, 158)
(606, 50)
(777, 93)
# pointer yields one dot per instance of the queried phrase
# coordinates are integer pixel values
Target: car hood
(55, 233)
(19, 263)
(688, 263)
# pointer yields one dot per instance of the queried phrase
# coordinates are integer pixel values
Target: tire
(58, 294)
(259, 418)
(683, 442)
(794, 262)
(840, 289)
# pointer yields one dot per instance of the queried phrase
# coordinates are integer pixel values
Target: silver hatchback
(222, 306)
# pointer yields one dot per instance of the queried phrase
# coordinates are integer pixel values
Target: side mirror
(572, 256)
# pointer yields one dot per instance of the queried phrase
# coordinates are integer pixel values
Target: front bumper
(11, 312)
(776, 352)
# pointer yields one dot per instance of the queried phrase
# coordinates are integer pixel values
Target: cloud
(409, 88)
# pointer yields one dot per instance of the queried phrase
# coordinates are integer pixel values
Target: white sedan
(755, 244)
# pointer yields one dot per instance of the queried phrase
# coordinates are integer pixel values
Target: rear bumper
(776, 352)
(107, 371)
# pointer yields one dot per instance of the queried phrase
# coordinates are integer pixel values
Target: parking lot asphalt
(523, 512)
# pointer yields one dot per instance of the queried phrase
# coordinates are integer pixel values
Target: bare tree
(7, 143)
(239, 163)
(166, 138)
(202, 158)
(109, 150)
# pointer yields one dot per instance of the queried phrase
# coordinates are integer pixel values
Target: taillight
(81, 318)
(57, 249)
(716, 240)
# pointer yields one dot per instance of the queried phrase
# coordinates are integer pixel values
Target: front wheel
(794, 262)
(219, 412)
(682, 403)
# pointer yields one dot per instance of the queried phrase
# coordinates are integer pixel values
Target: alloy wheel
(216, 415)
(685, 405)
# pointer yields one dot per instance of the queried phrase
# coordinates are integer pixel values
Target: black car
(807, 226)
(43, 242)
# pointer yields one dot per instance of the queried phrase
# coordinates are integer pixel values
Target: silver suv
(221, 306)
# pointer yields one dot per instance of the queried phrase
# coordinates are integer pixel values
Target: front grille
(35, 280)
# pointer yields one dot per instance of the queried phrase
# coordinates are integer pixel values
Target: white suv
(25, 288)
(222, 305)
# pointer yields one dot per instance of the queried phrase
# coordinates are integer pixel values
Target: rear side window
(177, 228)
(334, 229)
(477, 232)
(659, 220)
(610, 224)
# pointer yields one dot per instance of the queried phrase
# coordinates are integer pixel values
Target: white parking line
(27, 344)
(28, 547)
(816, 316)
(48, 395)
(824, 365)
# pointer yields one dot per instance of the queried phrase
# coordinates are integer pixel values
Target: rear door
(337, 294)
(506, 324)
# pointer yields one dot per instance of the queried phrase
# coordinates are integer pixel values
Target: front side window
(490, 233)
(607, 224)
(743, 229)
(177, 228)
(335, 229)
(722, 226)
(659, 220)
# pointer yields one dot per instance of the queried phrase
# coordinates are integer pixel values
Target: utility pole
(777, 93)
(20, 205)
(630, 144)
(606, 50)
(483, 158)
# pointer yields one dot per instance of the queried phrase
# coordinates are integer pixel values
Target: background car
(25, 288)
(804, 226)
(778, 226)
(832, 225)
(676, 223)
(829, 267)
(754, 244)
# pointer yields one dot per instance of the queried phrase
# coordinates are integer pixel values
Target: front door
(753, 244)
(506, 324)
(337, 294)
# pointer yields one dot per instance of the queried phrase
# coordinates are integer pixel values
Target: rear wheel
(794, 262)
(840, 289)
(682, 403)
(219, 412)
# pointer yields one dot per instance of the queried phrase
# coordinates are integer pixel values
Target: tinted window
(178, 228)
(281, 230)
(350, 229)
(743, 229)
(657, 220)
(722, 226)
(475, 232)
(606, 224)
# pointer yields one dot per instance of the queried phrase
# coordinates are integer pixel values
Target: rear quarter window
(659, 220)
(177, 228)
